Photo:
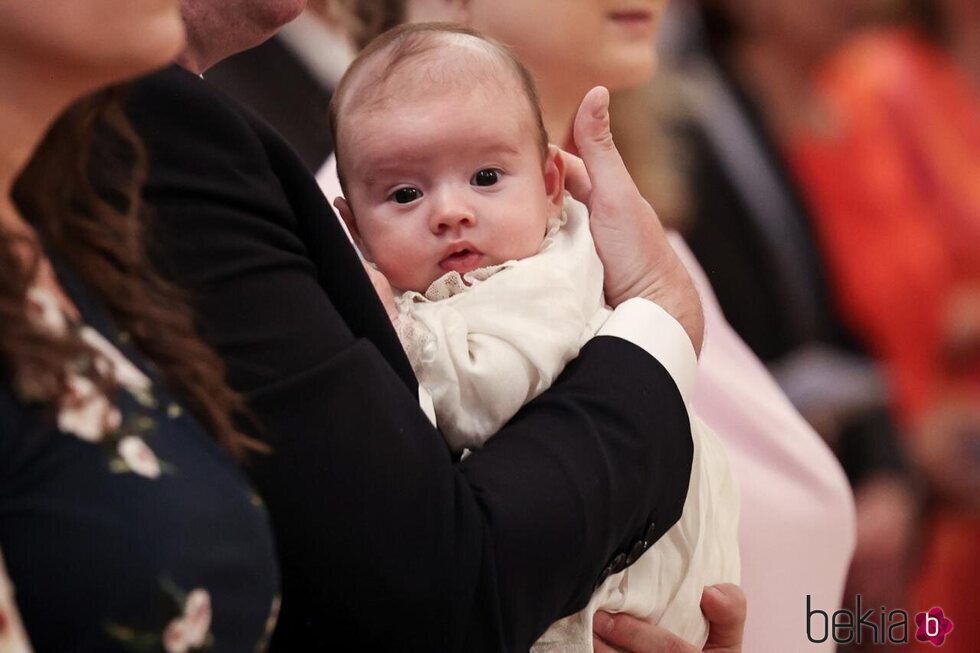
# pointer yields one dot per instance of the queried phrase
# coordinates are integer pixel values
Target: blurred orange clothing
(893, 179)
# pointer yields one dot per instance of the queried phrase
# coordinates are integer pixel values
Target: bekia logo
(933, 626)
(882, 626)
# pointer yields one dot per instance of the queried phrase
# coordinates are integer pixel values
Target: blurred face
(437, 183)
(583, 43)
(89, 42)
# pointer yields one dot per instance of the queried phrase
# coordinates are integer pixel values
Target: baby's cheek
(387, 245)
(401, 266)
(525, 239)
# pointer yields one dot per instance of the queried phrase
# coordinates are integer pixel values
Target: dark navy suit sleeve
(383, 538)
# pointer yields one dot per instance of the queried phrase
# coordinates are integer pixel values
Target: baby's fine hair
(406, 44)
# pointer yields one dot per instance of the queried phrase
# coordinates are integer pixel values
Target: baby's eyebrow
(500, 148)
(376, 170)
(389, 163)
(373, 172)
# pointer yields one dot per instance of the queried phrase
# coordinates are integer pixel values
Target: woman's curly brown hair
(101, 236)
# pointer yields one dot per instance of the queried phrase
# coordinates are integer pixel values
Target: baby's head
(442, 155)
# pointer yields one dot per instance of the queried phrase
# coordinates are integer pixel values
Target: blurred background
(822, 159)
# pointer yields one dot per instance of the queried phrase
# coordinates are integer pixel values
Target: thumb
(724, 606)
(595, 144)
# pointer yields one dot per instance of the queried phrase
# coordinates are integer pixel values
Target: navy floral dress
(123, 525)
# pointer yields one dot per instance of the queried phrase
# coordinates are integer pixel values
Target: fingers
(595, 144)
(625, 633)
(577, 180)
(725, 608)
(591, 127)
(723, 605)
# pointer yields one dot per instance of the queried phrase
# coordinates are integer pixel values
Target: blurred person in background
(740, 78)
(124, 522)
(894, 174)
(796, 508)
(851, 164)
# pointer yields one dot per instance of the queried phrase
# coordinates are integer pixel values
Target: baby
(453, 194)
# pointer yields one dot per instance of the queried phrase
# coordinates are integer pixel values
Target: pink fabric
(798, 529)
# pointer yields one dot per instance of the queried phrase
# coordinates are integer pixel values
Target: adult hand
(723, 605)
(631, 242)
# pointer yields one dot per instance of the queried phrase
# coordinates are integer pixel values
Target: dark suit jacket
(274, 83)
(384, 539)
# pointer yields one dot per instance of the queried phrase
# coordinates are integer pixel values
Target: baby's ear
(554, 177)
(343, 208)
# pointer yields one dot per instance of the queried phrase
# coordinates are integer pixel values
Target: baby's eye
(486, 177)
(405, 195)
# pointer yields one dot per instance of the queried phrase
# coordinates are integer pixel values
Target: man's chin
(218, 29)
(273, 14)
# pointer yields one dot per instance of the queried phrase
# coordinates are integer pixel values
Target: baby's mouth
(462, 260)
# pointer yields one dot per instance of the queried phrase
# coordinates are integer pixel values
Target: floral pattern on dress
(86, 412)
(192, 630)
(188, 631)
(138, 457)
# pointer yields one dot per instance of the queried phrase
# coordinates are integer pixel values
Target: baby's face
(454, 181)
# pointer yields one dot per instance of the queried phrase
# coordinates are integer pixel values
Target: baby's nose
(450, 211)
